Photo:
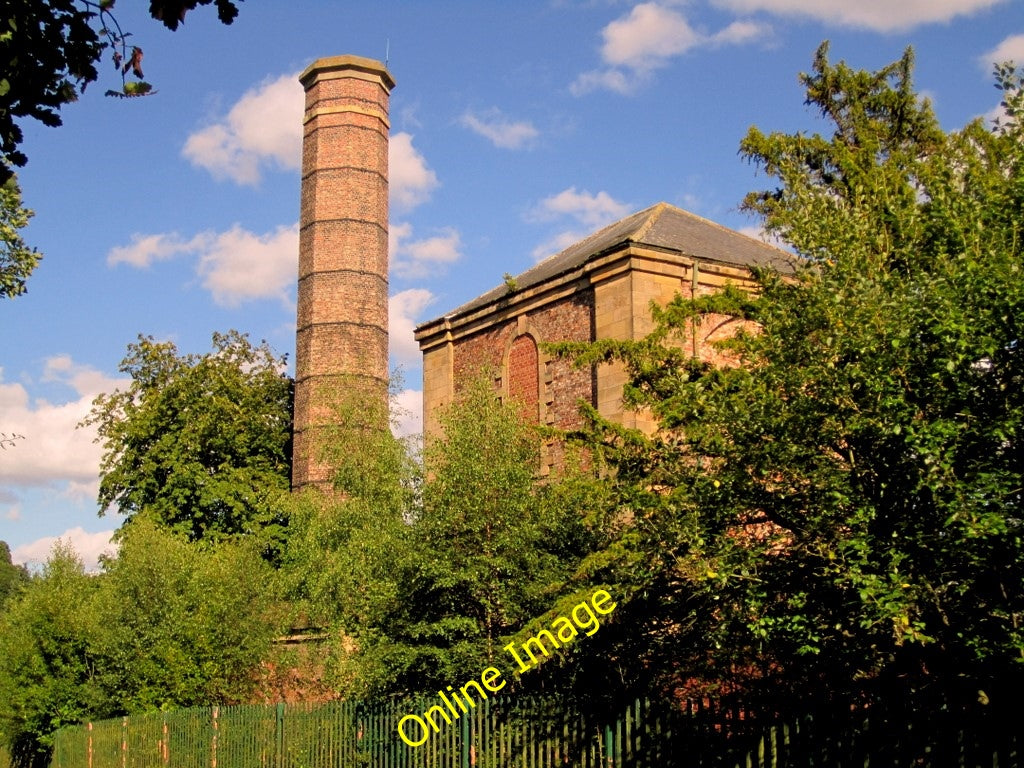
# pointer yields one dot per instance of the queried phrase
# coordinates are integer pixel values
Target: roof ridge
(656, 212)
(591, 236)
(730, 231)
(662, 225)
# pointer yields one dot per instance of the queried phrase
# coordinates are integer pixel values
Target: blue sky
(517, 128)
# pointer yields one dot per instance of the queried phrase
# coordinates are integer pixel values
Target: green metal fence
(505, 731)
(525, 732)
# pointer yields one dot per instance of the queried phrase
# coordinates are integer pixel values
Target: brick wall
(342, 317)
(523, 372)
(559, 385)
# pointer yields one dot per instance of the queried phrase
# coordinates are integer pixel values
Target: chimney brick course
(342, 317)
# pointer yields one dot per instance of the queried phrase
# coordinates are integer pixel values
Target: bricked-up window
(524, 376)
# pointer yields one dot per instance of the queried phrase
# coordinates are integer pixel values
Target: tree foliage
(50, 50)
(49, 674)
(427, 585)
(12, 577)
(167, 623)
(184, 623)
(845, 504)
(200, 443)
(17, 260)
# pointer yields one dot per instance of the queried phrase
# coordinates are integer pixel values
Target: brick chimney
(342, 323)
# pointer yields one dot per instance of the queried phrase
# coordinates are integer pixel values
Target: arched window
(523, 376)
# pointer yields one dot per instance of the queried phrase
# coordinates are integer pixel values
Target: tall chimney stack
(342, 324)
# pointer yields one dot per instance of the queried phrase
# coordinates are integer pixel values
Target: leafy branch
(126, 59)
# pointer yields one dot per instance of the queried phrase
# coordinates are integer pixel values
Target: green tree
(845, 504)
(12, 577)
(167, 623)
(48, 663)
(423, 582)
(50, 49)
(200, 443)
(183, 623)
(17, 260)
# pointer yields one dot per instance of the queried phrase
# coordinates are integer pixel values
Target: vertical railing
(527, 732)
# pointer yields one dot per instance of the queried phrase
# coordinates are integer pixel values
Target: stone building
(600, 288)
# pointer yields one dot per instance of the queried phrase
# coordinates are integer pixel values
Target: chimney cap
(337, 64)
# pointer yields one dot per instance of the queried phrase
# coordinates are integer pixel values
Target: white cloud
(499, 130)
(1010, 49)
(737, 33)
(410, 181)
(609, 79)
(757, 232)
(235, 266)
(263, 129)
(877, 15)
(591, 210)
(239, 265)
(647, 39)
(54, 452)
(145, 249)
(422, 258)
(407, 413)
(404, 309)
(558, 243)
(89, 547)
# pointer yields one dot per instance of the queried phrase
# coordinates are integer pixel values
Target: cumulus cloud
(877, 15)
(54, 452)
(500, 130)
(410, 180)
(146, 249)
(238, 265)
(647, 36)
(234, 266)
(425, 257)
(1010, 49)
(608, 79)
(404, 310)
(558, 243)
(758, 232)
(407, 413)
(592, 211)
(647, 39)
(263, 129)
(89, 546)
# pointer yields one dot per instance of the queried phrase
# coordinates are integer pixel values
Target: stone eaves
(663, 227)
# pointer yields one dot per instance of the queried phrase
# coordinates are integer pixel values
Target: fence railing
(503, 732)
(526, 732)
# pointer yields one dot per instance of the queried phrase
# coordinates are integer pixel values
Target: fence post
(213, 741)
(124, 742)
(165, 752)
(89, 747)
(279, 736)
(465, 740)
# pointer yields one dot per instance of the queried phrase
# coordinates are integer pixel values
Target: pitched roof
(662, 226)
